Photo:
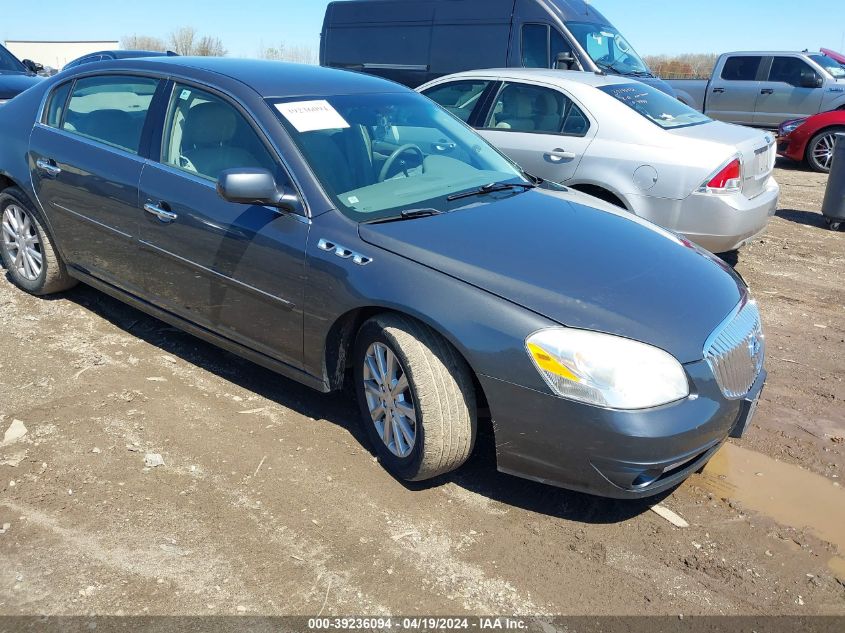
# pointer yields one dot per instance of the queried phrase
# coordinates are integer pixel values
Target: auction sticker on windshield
(311, 116)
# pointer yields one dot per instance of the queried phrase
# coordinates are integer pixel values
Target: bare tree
(299, 53)
(686, 66)
(182, 40)
(142, 43)
(209, 47)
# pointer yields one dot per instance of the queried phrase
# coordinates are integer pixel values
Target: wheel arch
(603, 193)
(340, 341)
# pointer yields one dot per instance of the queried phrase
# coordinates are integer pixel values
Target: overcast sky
(653, 27)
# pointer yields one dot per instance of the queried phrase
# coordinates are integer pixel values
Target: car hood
(12, 84)
(576, 265)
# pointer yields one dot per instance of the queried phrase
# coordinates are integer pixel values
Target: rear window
(742, 68)
(656, 106)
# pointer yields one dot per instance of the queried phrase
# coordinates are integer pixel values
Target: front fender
(487, 330)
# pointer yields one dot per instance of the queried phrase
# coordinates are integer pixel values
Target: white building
(57, 54)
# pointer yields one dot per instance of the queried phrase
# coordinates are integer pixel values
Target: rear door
(792, 89)
(86, 166)
(540, 128)
(235, 269)
(732, 95)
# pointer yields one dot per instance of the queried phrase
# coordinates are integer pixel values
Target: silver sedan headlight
(607, 371)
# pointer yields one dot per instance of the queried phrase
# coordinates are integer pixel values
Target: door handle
(558, 155)
(767, 91)
(48, 166)
(444, 146)
(718, 90)
(162, 214)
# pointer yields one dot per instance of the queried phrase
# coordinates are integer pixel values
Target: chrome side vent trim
(736, 351)
(344, 253)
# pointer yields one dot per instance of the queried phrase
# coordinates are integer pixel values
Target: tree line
(187, 41)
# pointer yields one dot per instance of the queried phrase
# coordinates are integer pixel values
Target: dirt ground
(268, 501)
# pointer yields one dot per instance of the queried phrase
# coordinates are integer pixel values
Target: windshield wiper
(407, 214)
(627, 73)
(492, 187)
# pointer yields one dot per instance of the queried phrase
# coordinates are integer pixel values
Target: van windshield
(9, 63)
(377, 155)
(608, 49)
(656, 106)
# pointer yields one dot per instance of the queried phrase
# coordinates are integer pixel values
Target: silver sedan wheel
(822, 151)
(389, 400)
(20, 239)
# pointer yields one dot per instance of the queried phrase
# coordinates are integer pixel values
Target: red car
(811, 139)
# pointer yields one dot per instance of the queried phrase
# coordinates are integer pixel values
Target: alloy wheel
(822, 151)
(389, 400)
(21, 242)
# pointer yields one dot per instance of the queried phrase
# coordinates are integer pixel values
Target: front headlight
(790, 126)
(604, 370)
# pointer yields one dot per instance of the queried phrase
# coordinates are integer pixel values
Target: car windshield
(378, 155)
(834, 68)
(9, 63)
(608, 49)
(656, 106)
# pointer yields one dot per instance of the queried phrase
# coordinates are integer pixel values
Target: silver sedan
(627, 143)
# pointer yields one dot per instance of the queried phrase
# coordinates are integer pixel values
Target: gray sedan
(270, 209)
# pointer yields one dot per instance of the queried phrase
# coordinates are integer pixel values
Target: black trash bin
(833, 207)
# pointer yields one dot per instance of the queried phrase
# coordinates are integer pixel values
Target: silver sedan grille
(736, 351)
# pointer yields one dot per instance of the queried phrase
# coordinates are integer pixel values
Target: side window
(526, 108)
(110, 109)
(741, 68)
(792, 70)
(535, 46)
(56, 105)
(459, 97)
(205, 135)
(559, 45)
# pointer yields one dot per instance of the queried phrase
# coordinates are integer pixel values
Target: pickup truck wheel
(820, 149)
(416, 397)
(26, 249)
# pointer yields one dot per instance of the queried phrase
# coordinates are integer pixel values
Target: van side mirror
(32, 66)
(249, 185)
(564, 61)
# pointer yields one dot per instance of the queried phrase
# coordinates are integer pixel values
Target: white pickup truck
(765, 89)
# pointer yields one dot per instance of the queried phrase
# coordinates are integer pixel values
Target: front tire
(416, 397)
(26, 249)
(820, 149)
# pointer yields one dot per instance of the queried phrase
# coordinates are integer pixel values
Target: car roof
(268, 78)
(560, 77)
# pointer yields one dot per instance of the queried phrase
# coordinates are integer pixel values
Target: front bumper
(719, 223)
(619, 454)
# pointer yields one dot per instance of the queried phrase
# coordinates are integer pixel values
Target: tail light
(727, 179)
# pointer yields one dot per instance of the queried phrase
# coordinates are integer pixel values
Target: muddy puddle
(787, 494)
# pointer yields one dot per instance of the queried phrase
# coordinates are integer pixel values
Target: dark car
(415, 42)
(102, 56)
(336, 227)
(15, 75)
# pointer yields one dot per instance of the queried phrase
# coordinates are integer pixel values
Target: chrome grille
(736, 351)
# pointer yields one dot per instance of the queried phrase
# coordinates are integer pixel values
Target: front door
(540, 128)
(87, 168)
(236, 269)
(792, 90)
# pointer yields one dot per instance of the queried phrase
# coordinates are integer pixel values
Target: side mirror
(811, 81)
(564, 61)
(256, 186)
(32, 66)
